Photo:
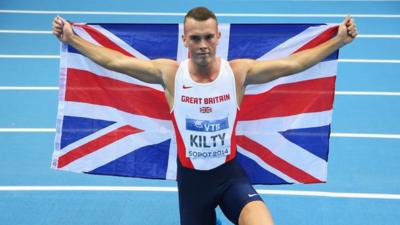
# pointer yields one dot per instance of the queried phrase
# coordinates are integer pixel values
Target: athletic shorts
(200, 192)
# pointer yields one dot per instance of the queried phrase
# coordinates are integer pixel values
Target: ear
(218, 36)
(184, 40)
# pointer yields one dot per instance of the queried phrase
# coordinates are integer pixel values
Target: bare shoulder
(168, 67)
(241, 65)
(166, 64)
(240, 68)
(168, 70)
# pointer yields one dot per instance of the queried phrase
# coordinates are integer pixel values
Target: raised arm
(256, 72)
(150, 71)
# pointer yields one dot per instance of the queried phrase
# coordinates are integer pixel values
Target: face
(201, 38)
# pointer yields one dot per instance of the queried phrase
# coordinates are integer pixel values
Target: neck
(204, 73)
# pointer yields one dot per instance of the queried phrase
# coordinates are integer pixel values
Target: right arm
(149, 71)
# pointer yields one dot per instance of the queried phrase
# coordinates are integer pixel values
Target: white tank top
(204, 118)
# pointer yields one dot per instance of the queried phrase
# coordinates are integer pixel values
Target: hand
(62, 30)
(347, 30)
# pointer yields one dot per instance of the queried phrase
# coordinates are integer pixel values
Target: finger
(352, 27)
(55, 24)
(346, 20)
(57, 20)
(350, 22)
(58, 29)
(62, 21)
(57, 34)
(353, 33)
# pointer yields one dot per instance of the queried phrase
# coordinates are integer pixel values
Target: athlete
(204, 93)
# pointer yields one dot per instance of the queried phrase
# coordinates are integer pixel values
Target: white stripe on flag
(107, 113)
(293, 44)
(265, 166)
(122, 44)
(182, 51)
(283, 148)
(114, 151)
(78, 61)
(152, 127)
(223, 45)
(172, 164)
(293, 154)
(86, 139)
(321, 70)
(83, 34)
(278, 124)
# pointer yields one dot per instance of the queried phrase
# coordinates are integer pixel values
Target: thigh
(196, 207)
(239, 193)
(197, 200)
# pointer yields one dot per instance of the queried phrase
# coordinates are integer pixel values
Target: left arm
(257, 72)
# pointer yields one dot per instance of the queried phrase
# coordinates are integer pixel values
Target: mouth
(203, 54)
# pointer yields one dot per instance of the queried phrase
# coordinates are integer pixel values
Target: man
(204, 94)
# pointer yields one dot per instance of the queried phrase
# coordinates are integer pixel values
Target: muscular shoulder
(240, 68)
(241, 64)
(166, 65)
(167, 68)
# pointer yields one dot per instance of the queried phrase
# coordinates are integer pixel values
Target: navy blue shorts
(200, 192)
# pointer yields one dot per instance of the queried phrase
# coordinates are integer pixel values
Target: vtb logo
(205, 109)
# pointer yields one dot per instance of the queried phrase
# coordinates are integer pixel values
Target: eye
(210, 37)
(195, 38)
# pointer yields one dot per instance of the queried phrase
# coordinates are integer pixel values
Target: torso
(204, 116)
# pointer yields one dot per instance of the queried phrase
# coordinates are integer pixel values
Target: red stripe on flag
(275, 161)
(96, 144)
(103, 40)
(321, 38)
(84, 86)
(289, 99)
(181, 148)
(233, 141)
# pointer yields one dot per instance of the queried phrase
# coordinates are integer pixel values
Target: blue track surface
(356, 165)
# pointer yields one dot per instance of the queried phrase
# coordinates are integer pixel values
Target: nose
(203, 44)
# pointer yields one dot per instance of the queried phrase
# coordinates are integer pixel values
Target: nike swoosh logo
(186, 87)
(252, 195)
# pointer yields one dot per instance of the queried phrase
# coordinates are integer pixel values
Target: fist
(62, 29)
(347, 30)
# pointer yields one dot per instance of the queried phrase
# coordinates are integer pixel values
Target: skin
(201, 38)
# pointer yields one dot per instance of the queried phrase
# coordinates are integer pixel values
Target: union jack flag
(112, 124)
